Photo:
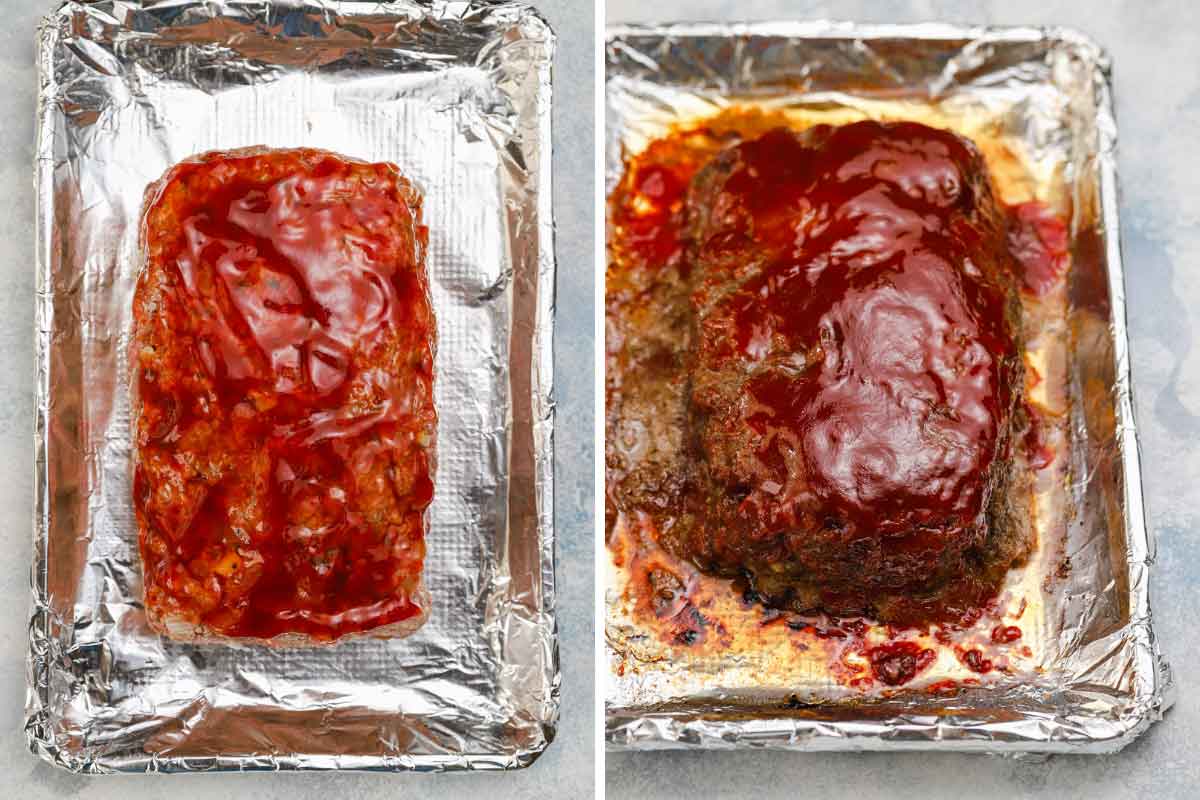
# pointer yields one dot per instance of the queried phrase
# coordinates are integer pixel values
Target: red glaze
(1039, 240)
(974, 661)
(647, 207)
(897, 663)
(649, 222)
(1006, 634)
(285, 341)
(839, 629)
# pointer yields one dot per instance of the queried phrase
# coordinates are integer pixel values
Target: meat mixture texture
(816, 377)
(284, 424)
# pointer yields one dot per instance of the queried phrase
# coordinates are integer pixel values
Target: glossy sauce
(285, 342)
(884, 383)
(1038, 239)
(855, 362)
(1006, 634)
(897, 663)
(973, 659)
(649, 220)
(872, 357)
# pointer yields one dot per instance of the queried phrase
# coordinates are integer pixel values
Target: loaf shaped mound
(284, 423)
(856, 383)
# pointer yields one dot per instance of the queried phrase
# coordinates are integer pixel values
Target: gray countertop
(1155, 48)
(568, 765)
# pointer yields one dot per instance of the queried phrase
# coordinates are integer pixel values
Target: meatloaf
(851, 378)
(284, 425)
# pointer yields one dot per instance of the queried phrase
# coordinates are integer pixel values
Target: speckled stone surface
(568, 765)
(1155, 47)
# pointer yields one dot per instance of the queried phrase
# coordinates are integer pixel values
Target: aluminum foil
(1038, 102)
(455, 93)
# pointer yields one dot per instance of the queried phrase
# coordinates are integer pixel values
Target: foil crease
(458, 95)
(1100, 679)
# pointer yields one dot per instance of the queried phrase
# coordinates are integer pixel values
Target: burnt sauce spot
(1005, 634)
(897, 663)
(973, 660)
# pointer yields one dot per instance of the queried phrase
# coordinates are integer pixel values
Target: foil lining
(1039, 104)
(455, 93)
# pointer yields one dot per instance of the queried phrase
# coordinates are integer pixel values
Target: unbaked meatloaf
(284, 424)
(849, 375)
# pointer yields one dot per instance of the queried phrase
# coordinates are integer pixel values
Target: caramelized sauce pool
(897, 663)
(284, 339)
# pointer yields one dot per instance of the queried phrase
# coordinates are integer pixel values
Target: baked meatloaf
(283, 415)
(851, 378)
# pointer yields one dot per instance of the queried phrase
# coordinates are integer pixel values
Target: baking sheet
(1039, 104)
(457, 95)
